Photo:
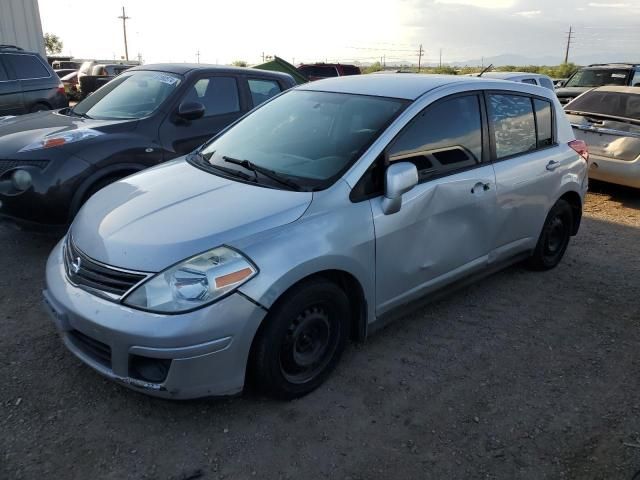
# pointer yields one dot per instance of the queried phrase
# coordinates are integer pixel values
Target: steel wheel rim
(309, 345)
(556, 237)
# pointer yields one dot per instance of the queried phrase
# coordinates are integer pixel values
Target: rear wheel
(554, 238)
(301, 340)
(39, 107)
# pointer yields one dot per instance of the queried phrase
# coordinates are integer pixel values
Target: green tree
(374, 67)
(52, 44)
(239, 63)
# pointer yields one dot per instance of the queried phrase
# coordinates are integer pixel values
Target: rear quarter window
(26, 66)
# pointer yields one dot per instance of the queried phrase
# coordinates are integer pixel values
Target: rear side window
(3, 73)
(635, 82)
(530, 81)
(219, 95)
(26, 66)
(263, 90)
(545, 82)
(544, 122)
(445, 137)
(513, 124)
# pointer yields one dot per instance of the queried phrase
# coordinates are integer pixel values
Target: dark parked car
(27, 83)
(101, 74)
(599, 75)
(51, 162)
(317, 71)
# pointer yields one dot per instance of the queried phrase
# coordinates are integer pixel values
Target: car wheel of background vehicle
(301, 340)
(39, 107)
(554, 238)
(99, 185)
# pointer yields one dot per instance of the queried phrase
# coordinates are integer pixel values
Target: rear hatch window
(615, 104)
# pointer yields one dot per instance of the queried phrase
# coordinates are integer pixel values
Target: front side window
(129, 96)
(312, 137)
(26, 66)
(513, 124)
(598, 77)
(545, 82)
(263, 90)
(219, 95)
(446, 136)
(636, 79)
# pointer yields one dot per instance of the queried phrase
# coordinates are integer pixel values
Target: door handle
(552, 165)
(481, 187)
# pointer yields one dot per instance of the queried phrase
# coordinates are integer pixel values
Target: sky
(346, 30)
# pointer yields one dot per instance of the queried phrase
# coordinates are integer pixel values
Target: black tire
(554, 238)
(99, 185)
(39, 107)
(301, 340)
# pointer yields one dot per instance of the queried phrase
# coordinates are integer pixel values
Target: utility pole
(124, 29)
(420, 53)
(569, 40)
(198, 55)
(262, 57)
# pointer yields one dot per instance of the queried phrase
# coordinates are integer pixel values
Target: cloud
(610, 5)
(529, 13)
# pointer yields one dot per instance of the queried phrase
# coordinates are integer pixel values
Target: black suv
(27, 83)
(599, 75)
(51, 162)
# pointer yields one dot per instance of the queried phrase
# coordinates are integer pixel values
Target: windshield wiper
(264, 171)
(81, 115)
(229, 171)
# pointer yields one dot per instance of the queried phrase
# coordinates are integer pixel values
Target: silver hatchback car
(310, 222)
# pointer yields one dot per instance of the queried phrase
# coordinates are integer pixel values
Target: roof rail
(630, 64)
(13, 47)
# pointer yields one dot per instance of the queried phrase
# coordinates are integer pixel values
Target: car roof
(405, 86)
(186, 68)
(508, 75)
(618, 89)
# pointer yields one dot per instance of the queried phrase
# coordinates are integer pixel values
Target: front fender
(333, 239)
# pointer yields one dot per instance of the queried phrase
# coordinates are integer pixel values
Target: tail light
(581, 148)
(61, 88)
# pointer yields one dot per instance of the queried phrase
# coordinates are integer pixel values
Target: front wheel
(301, 340)
(554, 238)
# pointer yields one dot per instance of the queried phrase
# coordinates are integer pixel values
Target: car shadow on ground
(627, 196)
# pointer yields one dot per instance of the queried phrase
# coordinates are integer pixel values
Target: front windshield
(598, 77)
(307, 135)
(131, 95)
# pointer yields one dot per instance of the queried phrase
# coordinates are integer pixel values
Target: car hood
(18, 132)
(168, 213)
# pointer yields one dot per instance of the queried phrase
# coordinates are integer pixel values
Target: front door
(445, 228)
(220, 96)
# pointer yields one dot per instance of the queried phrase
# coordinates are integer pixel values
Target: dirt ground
(522, 376)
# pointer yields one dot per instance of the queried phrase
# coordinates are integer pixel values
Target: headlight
(196, 282)
(58, 139)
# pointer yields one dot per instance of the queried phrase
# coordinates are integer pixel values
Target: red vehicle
(317, 71)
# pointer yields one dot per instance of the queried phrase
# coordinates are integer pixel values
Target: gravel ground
(524, 375)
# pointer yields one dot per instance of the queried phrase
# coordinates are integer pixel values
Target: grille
(87, 273)
(98, 351)
(6, 165)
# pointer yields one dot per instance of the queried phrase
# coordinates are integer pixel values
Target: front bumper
(206, 350)
(620, 172)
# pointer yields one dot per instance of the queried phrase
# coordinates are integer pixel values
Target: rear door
(445, 228)
(221, 96)
(523, 144)
(10, 93)
(36, 81)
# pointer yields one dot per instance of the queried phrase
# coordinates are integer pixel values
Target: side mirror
(190, 110)
(399, 179)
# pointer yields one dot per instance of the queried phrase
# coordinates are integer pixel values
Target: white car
(522, 77)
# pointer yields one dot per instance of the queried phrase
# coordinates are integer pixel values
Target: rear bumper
(204, 352)
(619, 172)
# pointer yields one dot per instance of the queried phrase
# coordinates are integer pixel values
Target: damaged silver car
(310, 222)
